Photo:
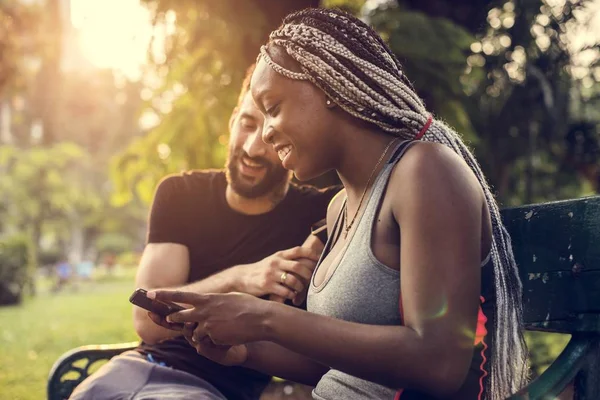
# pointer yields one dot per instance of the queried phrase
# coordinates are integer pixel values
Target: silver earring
(328, 102)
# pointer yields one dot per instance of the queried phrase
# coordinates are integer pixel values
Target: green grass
(544, 348)
(35, 334)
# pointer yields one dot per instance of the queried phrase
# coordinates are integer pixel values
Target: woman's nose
(267, 135)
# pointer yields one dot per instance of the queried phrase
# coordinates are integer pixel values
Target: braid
(341, 24)
(351, 63)
(313, 47)
(509, 353)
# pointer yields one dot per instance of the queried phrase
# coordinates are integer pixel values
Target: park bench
(557, 248)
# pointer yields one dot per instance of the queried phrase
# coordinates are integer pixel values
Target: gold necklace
(362, 197)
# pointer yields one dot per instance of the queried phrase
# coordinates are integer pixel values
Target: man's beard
(273, 181)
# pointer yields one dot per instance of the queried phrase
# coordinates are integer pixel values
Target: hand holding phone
(158, 307)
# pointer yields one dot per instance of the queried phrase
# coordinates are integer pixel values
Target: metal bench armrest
(60, 387)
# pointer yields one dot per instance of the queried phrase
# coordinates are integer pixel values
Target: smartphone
(162, 308)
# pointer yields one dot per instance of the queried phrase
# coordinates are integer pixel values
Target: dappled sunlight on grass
(34, 335)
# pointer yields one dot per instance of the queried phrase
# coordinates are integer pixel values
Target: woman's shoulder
(434, 172)
(431, 154)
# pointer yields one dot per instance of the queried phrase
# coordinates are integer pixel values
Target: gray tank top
(360, 289)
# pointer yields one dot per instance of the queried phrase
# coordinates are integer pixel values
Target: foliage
(51, 191)
(488, 78)
(583, 151)
(519, 84)
(50, 257)
(352, 6)
(13, 268)
(113, 243)
(97, 110)
(502, 72)
(18, 42)
(433, 52)
(508, 90)
(129, 259)
(544, 348)
(193, 87)
(44, 184)
(64, 127)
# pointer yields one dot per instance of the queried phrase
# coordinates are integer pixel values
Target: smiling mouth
(283, 152)
(251, 164)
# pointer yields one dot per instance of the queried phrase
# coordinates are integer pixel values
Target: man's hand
(283, 275)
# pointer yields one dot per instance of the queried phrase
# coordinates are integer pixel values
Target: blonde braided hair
(350, 62)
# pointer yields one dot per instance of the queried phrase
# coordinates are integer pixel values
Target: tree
(55, 193)
(39, 186)
(513, 97)
(433, 52)
(48, 86)
(18, 43)
(208, 47)
(524, 100)
(499, 72)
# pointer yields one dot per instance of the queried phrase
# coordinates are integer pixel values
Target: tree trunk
(502, 186)
(48, 80)
(34, 233)
(531, 154)
(76, 239)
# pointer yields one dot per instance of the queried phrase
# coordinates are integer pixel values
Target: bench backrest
(557, 249)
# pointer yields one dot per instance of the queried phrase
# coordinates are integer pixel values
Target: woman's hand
(227, 319)
(224, 355)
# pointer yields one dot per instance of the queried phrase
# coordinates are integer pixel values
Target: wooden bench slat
(566, 298)
(557, 249)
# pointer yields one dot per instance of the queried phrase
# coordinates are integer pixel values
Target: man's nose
(254, 146)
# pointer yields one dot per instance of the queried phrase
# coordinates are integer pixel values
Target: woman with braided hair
(416, 295)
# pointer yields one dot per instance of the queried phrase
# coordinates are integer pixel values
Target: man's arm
(163, 265)
(166, 266)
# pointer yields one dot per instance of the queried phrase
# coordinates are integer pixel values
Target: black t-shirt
(191, 209)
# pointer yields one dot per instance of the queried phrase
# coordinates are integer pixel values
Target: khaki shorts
(130, 376)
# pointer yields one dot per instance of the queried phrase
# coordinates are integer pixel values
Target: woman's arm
(267, 357)
(276, 360)
(437, 202)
